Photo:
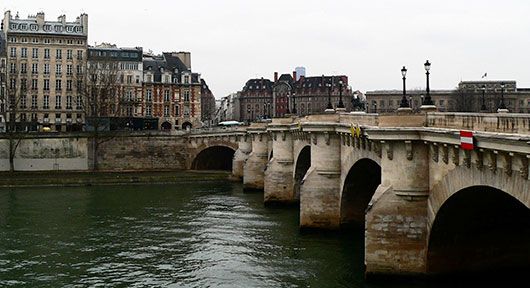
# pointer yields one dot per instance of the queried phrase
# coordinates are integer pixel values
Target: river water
(192, 234)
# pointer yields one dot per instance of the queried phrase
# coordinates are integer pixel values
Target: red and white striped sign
(466, 140)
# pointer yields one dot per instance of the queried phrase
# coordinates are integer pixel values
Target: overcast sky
(234, 40)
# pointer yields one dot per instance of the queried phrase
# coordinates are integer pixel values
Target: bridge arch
(302, 164)
(479, 229)
(217, 156)
(359, 186)
(478, 210)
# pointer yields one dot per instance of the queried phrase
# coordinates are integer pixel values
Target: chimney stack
(185, 57)
(294, 76)
(275, 77)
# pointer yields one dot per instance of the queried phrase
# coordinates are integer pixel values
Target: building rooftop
(38, 25)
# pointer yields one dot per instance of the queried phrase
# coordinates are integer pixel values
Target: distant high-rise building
(300, 71)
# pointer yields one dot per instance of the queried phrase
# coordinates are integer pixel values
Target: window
(35, 53)
(46, 69)
(69, 102)
(13, 68)
(186, 111)
(69, 69)
(46, 104)
(177, 111)
(149, 95)
(58, 85)
(23, 68)
(23, 84)
(69, 54)
(46, 53)
(79, 71)
(34, 84)
(166, 95)
(23, 101)
(79, 54)
(129, 79)
(187, 95)
(79, 85)
(13, 52)
(58, 68)
(57, 101)
(34, 68)
(79, 103)
(46, 84)
(68, 85)
(442, 102)
(34, 102)
(58, 54)
(186, 79)
(128, 95)
(166, 111)
(148, 111)
(24, 53)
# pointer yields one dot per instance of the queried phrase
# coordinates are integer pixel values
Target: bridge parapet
(488, 122)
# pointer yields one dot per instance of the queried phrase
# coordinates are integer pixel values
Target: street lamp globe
(404, 71)
(427, 66)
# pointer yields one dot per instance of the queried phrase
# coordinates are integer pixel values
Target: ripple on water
(207, 235)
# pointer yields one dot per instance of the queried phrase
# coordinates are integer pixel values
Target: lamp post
(502, 106)
(428, 100)
(483, 107)
(341, 104)
(330, 106)
(404, 103)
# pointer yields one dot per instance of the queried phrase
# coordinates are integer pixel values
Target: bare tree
(464, 100)
(12, 97)
(100, 93)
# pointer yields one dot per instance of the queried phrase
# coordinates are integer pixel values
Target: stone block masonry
(143, 152)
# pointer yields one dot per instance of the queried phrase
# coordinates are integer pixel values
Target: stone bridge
(427, 206)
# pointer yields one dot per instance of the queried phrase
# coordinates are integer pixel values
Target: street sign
(466, 140)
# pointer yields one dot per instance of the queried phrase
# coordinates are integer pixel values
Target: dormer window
(58, 28)
(47, 27)
(33, 27)
(69, 28)
(14, 26)
(23, 26)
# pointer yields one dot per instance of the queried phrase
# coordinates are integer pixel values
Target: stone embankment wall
(46, 154)
(142, 152)
(75, 152)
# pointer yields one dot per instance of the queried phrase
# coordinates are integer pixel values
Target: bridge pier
(254, 168)
(396, 218)
(320, 190)
(241, 156)
(279, 181)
